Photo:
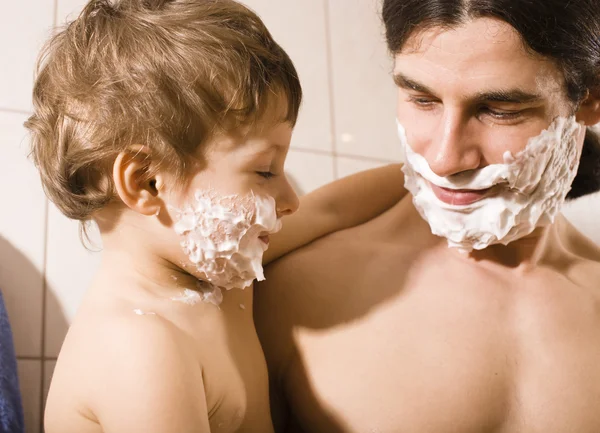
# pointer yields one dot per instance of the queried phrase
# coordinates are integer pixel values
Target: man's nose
(453, 147)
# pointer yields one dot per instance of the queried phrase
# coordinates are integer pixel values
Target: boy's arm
(344, 203)
(149, 383)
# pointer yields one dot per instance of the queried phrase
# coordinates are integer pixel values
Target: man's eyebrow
(514, 96)
(404, 82)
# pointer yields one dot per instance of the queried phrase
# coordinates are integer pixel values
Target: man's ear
(133, 183)
(589, 110)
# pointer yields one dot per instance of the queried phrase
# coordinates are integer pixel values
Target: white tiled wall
(346, 125)
(363, 94)
(23, 27)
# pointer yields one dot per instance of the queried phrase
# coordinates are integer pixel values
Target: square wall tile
(348, 166)
(22, 236)
(26, 24)
(308, 171)
(364, 94)
(69, 272)
(584, 214)
(30, 380)
(300, 28)
(67, 10)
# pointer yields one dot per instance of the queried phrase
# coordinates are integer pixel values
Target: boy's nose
(287, 200)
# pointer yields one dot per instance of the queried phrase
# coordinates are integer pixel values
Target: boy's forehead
(270, 137)
(258, 139)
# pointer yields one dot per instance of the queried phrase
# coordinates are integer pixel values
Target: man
(472, 305)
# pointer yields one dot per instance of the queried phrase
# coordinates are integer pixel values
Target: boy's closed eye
(265, 174)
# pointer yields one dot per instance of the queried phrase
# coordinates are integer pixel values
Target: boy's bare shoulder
(126, 369)
(110, 341)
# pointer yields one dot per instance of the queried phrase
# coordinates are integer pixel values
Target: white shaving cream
(144, 313)
(220, 235)
(192, 297)
(532, 187)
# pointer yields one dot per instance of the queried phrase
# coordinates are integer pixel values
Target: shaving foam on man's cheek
(220, 235)
(532, 187)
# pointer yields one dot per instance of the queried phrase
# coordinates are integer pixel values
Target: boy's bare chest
(234, 370)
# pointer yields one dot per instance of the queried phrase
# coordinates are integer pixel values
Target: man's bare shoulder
(299, 289)
(587, 271)
(338, 256)
(314, 267)
(584, 257)
(326, 270)
(334, 279)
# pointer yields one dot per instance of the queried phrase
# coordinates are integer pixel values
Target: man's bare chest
(454, 352)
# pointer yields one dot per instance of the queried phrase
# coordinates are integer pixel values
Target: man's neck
(524, 253)
(542, 245)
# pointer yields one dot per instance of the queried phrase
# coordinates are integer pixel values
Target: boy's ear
(133, 184)
(589, 110)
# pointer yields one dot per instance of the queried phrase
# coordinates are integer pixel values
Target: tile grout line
(328, 52)
(36, 358)
(14, 111)
(44, 299)
(313, 151)
(44, 280)
(367, 158)
(343, 155)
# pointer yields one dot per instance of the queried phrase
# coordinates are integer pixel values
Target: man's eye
(502, 115)
(265, 174)
(421, 101)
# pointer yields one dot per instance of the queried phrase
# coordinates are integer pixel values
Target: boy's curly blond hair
(169, 74)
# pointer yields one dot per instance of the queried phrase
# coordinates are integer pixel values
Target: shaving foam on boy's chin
(531, 188)
(220, 235)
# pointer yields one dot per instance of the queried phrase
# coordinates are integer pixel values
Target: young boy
(167, 123)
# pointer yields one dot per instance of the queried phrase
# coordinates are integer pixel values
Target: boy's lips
(459, 197)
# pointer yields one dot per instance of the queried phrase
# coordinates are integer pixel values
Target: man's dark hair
(567, 32)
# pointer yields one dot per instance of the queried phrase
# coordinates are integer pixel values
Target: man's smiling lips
(459, 197)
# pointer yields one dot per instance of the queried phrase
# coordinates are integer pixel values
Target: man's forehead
(479, 56)
(471, 34)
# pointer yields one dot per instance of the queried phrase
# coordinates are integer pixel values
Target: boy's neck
(145, 271)
(136, 252)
